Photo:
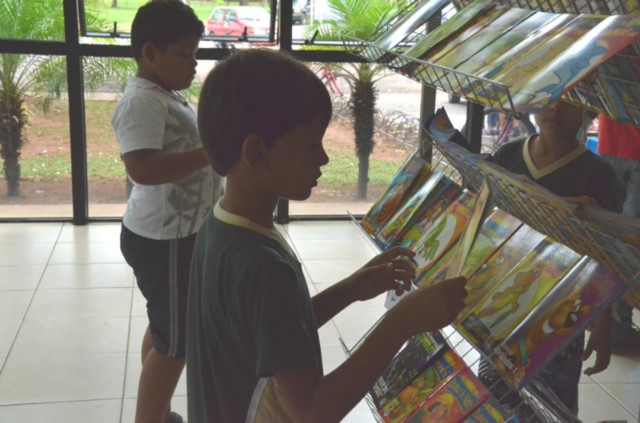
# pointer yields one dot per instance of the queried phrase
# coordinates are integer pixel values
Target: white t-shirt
(148, 117)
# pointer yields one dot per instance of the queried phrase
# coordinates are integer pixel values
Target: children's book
(444, 232)
(454, 401)
(415, 207)
(422, 12)
(517, 294)
(441, 203)
(444, 366)
(479, 214)
(499, 43)
(409, 177)
(463, 49)
(435, 38)
(405, 366)
(490, 411)
(570, 306)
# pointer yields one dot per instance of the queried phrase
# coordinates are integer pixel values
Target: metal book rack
(613, 88)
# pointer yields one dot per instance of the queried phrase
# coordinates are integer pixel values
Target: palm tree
(358, 19)
(42, 79)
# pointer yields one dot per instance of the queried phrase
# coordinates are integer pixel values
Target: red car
(233, 20)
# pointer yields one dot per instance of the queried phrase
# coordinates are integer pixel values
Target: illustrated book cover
(490, 411)
(567, 310)
(442, 368)
(413, 209)
(405, 366)
(407, 179)
(517, 294)
(454, 401)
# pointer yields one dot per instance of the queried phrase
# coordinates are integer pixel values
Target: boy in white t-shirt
(173, 190)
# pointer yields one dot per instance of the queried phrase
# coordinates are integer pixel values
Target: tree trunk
(363, 176)
(363, 103)
(114, 4)
(12, 174)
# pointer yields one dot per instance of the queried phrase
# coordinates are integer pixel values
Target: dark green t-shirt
(584, 173)
(249, 315)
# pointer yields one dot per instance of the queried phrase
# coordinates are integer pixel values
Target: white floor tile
(103, 411)
(8, 332)
(73, 336)
(332, 271)
(48, 378)
(96, 275)
(20, 277)
(95, 252)
(12, 255)
(330, 231)
(628, 394)
(596, 405)
(334, 250)
(93, 233)
(13, 304)
(18, 235)
(80, 303)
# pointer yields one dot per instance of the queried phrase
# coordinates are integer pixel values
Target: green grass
(104, 161)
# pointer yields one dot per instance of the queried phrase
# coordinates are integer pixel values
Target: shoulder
(507, 152)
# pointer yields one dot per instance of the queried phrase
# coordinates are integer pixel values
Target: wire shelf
(601, 7)
(616, 245)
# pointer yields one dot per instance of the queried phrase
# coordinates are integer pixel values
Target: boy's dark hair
(256, 91)
(163, 22)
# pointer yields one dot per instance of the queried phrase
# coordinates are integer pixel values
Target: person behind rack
(557, 159)
(253, 352)
(619, 144)
(173, 190)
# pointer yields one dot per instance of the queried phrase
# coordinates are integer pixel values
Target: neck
(249, 203)
(551, 147)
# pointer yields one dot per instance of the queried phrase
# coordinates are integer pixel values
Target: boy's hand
(600, 342)
(432, 307)
(393, 269)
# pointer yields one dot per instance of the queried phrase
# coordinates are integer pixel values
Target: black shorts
(161, 268)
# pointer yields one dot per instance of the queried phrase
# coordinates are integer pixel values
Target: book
(495, 230)
(512, 298)
(435, 38)
(462, 50)
(499, 43)
(421, 200)
(490, 411)
(408, 24)
(544, 73)
(454, 401)
(444, 232)
(405, 366)
(407, 179)
(443, 367)
(430, 215)
(573, 303)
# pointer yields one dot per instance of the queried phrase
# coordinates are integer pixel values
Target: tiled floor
(72, 321)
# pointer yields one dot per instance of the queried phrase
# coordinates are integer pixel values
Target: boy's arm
(155, 167)
(600, 342)
(389, 270)
(310, 397)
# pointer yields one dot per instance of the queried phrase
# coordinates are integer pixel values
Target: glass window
(24, 20)
(36, 177)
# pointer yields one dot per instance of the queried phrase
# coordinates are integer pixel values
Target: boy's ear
(149, 52)
(253, 150)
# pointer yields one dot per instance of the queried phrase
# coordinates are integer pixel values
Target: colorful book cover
(430, 215)
(499, 264)
(409, 177)
(495, 230)
(454, 401)
(422, 12)
(566, 311)
(465, 49)
(516, 295)
(444, 232)
(443, 367)
(490, 411)
(541, 76)
(405, 366)
(502, 42)
(421, 200)
(434, 39)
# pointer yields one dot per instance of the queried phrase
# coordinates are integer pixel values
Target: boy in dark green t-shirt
(253, 352)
